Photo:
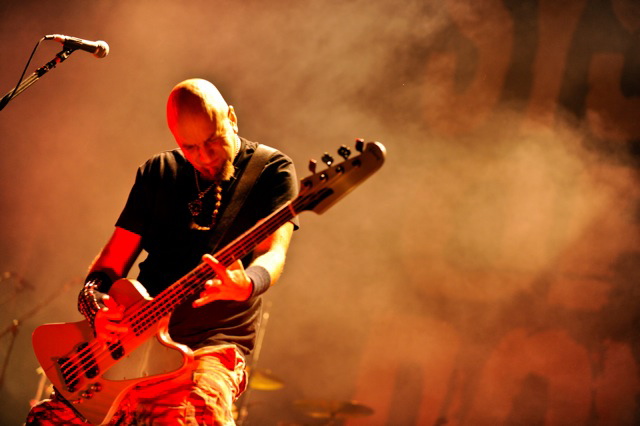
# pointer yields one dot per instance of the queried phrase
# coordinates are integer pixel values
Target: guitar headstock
(322, 189)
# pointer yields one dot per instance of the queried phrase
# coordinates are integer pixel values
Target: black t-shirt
(157, 210)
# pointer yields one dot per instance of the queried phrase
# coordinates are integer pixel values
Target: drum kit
(330, 410)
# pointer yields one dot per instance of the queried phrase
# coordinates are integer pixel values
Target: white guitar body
(152, 355)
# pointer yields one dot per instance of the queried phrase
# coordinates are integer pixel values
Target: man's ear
(233, 118)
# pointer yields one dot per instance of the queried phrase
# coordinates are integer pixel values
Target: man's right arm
(118, 255)
(114, 262)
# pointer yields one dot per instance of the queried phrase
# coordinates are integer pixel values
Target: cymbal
(326, 408)
(264, 380)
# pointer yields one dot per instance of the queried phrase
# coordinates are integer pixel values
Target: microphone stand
(22, 86)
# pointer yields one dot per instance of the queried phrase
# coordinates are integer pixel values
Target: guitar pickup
(69, 374)
(87, 361)
(83, 363)
(116, 349)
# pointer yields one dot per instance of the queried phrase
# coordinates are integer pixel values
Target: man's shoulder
(249, 146)
(273, 154)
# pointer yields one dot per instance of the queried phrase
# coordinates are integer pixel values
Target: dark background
(486, 275)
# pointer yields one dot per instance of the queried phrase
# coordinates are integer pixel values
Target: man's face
(208, 144)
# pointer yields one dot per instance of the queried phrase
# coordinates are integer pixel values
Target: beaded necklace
(195, 206)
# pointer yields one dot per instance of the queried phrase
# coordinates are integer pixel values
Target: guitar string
(85, 355)
(93, 353)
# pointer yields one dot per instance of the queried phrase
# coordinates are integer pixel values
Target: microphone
(99, 48)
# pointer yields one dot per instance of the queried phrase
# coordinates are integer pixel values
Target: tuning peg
(327, 159)
(313, 164)
(359, 145)
(344, 152)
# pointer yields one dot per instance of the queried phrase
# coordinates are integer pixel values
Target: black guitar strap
(248, 178)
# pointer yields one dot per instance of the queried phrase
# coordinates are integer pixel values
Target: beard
(227, 171)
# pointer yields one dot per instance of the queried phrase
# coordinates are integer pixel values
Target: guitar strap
(248, 178)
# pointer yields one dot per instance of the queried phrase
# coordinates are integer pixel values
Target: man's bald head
(204, 126)
(195, 96)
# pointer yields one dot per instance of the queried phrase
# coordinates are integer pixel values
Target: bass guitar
(94, 376)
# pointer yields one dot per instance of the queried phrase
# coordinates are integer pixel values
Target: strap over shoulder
(249, 177)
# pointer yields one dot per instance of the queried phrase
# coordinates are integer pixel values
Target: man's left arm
(238, 283)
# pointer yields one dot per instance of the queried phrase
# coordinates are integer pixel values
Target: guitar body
(94, 378)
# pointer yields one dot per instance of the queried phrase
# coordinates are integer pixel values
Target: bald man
(172, 214)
